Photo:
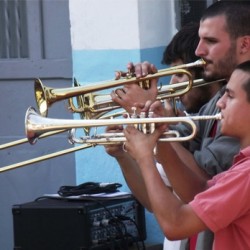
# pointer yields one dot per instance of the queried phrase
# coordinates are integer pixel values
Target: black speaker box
(52, 224)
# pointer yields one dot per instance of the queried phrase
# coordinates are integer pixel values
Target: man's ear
(245, 44)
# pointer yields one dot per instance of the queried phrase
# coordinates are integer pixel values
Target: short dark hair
(183, 46)
(245, 67)
(237, 14)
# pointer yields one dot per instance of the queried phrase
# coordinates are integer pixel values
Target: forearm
(189, 160)
(134, 180)
(176, 219)
(179, 170)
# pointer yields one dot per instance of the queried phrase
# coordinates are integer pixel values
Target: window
(35, 39)
(13, 29)
(190, 11)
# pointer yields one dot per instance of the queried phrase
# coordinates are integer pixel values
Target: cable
(88, 188)
(140, 238)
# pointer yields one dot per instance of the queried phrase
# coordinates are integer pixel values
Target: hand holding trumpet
(139, 144)
(133, 94)
(152, 109)
(115, 150)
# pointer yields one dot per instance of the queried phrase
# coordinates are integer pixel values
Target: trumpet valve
(133, 116)
(152, 125)
(143, 127)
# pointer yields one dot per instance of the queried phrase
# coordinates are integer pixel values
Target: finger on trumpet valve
(118, 75)
(143, 127)
(152, 125)
(123, 74)
(133, 116)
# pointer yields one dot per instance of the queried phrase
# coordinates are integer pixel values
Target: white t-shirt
(167, 245)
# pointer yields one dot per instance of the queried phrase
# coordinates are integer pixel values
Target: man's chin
(209, 77)
(224, 132)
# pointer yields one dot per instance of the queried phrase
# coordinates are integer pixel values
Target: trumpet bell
(41, 98)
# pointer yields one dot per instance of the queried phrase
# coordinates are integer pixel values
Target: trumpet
(36, 125)
(46, 96)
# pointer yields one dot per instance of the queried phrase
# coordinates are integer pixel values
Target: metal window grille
(13, 29)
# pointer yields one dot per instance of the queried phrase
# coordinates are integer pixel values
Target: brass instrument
(91, 108)
(94, 106)
(24, 140)
(44, 157)
(46, 96)
(36, 125)
(166, 90)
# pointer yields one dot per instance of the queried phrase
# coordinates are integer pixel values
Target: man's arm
(181, 170)
(129, 168)
(134, 180)
(176, 219)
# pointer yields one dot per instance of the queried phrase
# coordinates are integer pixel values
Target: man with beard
(181, 50)
(224, 43)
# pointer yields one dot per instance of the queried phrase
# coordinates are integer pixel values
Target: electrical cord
(118, 222)
(89, 188)
(140, 238)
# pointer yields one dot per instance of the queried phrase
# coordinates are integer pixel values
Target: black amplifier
(59, 224)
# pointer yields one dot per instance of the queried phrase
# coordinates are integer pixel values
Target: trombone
(46, 96)
(24, 140)
(36, 126)
(44, 157)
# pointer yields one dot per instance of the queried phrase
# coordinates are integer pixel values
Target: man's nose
(200, 50)
(221, 103)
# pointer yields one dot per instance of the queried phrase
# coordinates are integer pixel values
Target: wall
(105, 36)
